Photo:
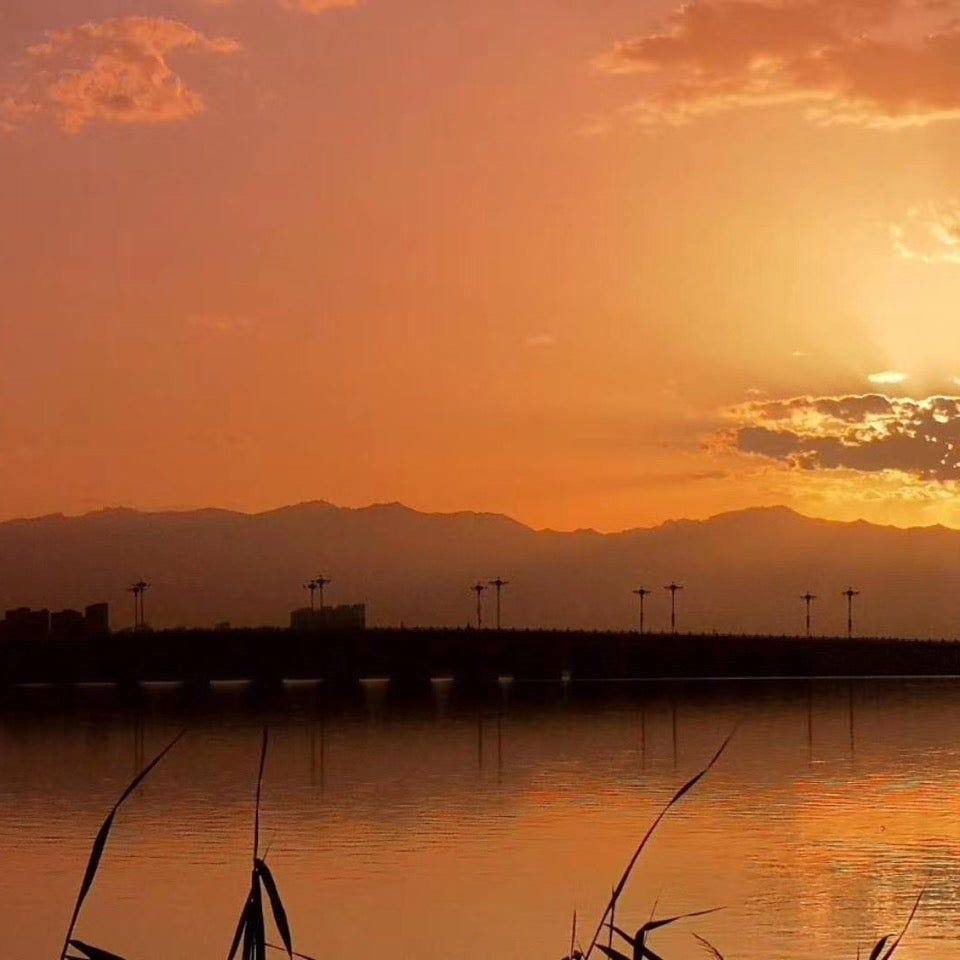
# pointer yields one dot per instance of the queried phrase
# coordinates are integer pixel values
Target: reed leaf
(878, 948)
(637, 941)
(900, 936)
(241, 926)
(100, 841)
(276, 904)
(251, 928)
(654, 924)
(708, 946)
(679, 795)
(258, 937)
(256, 814)
(249, 944)
(611, 952)
(298, 956)
(93, 953)
(252, 935)
(621, 933)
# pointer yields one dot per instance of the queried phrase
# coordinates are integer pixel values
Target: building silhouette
(96, 619)
(344, 617)
(22, 623)
(67, 624)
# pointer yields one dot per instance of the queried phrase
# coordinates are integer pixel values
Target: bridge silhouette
(415, 656)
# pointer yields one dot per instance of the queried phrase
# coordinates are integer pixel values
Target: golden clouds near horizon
(897, 453)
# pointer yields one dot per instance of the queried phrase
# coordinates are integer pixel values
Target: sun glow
(887, 377)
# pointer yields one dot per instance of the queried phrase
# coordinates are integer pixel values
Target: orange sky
(557, 259)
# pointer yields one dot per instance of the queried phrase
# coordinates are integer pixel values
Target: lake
(451, 827)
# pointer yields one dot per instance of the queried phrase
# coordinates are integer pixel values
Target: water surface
(451, 828)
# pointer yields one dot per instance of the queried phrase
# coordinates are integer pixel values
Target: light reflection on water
(448, 828)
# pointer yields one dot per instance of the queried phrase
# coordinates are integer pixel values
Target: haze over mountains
(742, 571)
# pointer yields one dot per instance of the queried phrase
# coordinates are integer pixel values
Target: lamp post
(808, 598)
(499, 584)
(478, 589)
(321, 582)
(673, 588)
(850, 593)
(641, 592)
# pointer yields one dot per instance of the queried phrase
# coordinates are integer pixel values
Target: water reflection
(448, 825)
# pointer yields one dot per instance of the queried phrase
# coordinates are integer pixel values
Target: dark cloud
(868, 433)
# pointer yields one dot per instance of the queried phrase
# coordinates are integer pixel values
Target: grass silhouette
(677, 797)
(251, 928)
(884, 949)
(96, 854)
(250, 935)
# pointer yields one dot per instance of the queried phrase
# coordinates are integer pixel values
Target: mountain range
(742, 571)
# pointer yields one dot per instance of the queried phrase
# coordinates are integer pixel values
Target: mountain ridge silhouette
(742, 570)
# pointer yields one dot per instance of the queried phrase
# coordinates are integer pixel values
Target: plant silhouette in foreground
(251, 930)
(885, 947)
(640, 950)
(99, 844)
(607, 918)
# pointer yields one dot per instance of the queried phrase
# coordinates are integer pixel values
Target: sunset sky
(586, 262)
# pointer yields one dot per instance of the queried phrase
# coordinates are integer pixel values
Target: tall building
(96, 620)
(67, 624)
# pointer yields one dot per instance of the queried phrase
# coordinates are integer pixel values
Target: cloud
(867, 433)
(887, 377)
(319, 6)
(220, 324)
(13, 111)
(303, 6)
(540, 340)
(116, 71)
(930, 233)
(834, 57)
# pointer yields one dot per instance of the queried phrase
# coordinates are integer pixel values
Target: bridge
(415, 656)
